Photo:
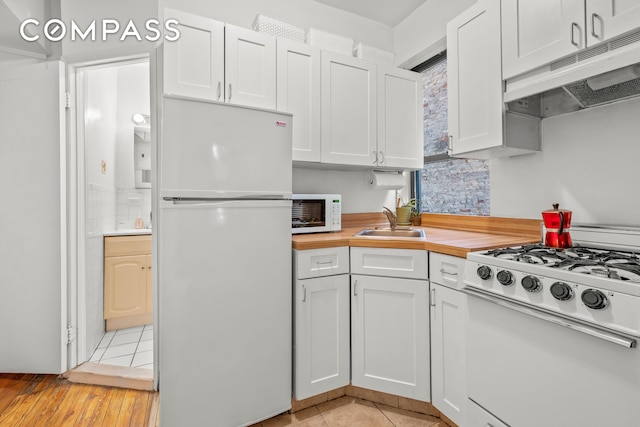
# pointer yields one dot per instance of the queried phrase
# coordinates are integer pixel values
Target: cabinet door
(474, 76)
(448, 381)
(537, 32)
(348, 110)
(194, 64)
(610, 18)
(125, 287)
(400, 124)
(149, 286)
(390, 335)
(250, 68)
(298, 92)
(321, 335)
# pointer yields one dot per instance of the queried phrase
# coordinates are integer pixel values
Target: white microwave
(316, 213)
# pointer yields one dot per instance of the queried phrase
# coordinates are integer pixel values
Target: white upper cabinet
(218, 62)
(298, 92)
(250, 68)
(479, 127)
(400, 123)
(610, 18)
(536, 32)
(194, 64)
(475, 79)
(348, 110)
(539, 32)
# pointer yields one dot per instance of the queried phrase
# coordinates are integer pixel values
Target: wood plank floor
(30, 400)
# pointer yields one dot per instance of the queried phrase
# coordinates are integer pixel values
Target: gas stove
(596, 281)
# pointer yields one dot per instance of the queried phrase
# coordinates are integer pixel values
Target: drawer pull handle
(443, 271)
(324, 262)
(142, 267)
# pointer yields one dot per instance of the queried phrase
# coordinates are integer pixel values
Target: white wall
(357, 194)
(100, 88)
(588, 164)
(84, 11)
(133, 97)
(422, 34)
(302, 13)
(100, 125)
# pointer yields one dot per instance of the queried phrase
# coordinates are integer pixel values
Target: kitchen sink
(388, 232)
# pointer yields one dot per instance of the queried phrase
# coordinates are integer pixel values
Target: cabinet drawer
(127, 245)
(446, 270)
(320, 262)
(409, 263)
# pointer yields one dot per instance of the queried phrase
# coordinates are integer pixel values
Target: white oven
(316, 213)
(553, 346)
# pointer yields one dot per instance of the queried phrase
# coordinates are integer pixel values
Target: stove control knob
(594, 299)
(531, 284)
(561, 291)
(505, 277)
(484, 272)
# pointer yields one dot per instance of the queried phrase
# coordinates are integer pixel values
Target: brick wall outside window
(456, 186)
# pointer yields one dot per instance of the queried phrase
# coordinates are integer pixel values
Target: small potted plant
(415, 217)
(403, 212)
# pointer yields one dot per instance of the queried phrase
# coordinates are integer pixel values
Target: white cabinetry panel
(298, 92)
(400, 122)
(536, 32)
(390, 335)
(348, 110)
(321, 335)
(407, 263)
(610, 18)
(194, 64)
(250, 68)
(475, 79)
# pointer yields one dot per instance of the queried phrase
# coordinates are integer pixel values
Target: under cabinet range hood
(599, 75)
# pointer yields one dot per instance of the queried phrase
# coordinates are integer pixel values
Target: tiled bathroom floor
(126, 347)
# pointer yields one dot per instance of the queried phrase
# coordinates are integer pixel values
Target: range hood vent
(600, 75)
(607, 87)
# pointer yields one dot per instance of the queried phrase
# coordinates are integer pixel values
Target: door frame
(76, 214)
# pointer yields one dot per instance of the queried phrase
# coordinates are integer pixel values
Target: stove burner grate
(613, 264)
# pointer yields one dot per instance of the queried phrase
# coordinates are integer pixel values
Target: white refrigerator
(224, 263)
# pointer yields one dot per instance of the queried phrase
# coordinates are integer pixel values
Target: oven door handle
(606, 334)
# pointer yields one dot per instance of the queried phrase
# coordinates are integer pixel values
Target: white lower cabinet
(448, 307)
(390, 322)
(321, 321)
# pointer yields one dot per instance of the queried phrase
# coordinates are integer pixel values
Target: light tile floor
(349, 411)
(126, 347)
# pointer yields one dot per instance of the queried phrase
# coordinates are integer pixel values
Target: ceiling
(388, 12)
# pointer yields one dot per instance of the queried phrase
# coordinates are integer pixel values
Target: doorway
(113, 199)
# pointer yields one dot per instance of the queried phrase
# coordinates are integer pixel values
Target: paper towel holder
(387, 179)
(372, 173)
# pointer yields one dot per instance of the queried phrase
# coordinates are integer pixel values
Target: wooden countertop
(453, 235)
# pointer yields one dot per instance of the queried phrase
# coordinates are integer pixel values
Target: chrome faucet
(391, 216)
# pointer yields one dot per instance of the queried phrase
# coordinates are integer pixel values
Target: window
(446, 185)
